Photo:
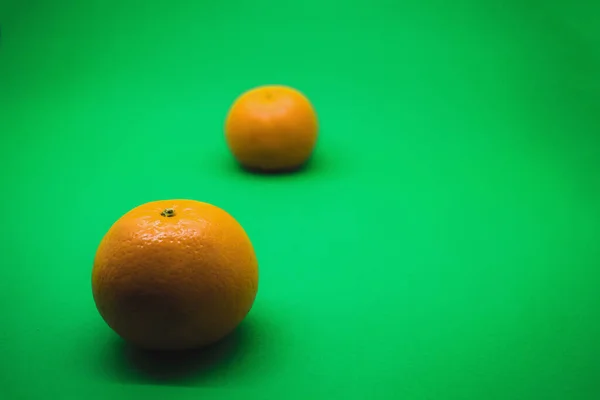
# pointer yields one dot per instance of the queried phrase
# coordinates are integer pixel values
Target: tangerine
(174, 275)
(271, 128)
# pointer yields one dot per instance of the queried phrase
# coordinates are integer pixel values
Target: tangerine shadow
(287, 171)
(187, 368)
(318, 164)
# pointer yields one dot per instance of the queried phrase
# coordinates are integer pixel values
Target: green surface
(443, 243)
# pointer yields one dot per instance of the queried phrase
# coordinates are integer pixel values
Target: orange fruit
(174, 275)
(271, 128)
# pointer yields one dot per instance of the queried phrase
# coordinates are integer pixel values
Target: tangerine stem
(168, 212)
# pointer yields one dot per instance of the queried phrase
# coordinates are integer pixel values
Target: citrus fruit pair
(182, 274)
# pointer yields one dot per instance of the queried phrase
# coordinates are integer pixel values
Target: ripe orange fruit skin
(174, 275)
(271, 128)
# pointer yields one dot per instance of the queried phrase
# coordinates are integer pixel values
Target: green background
(442, 244)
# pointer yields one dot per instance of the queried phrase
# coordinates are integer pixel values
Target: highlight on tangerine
(272, 128)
